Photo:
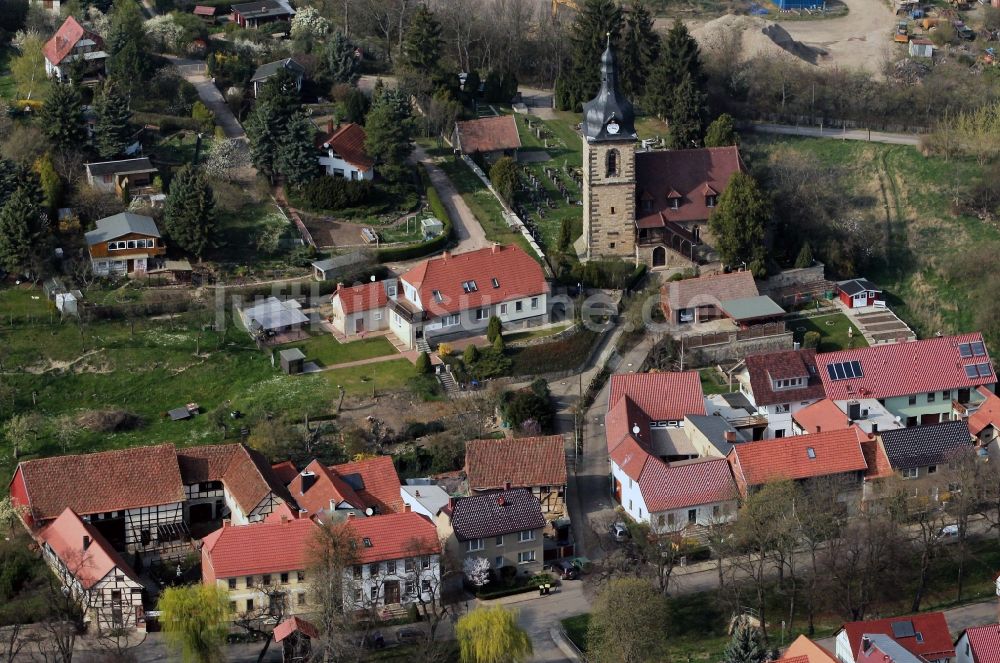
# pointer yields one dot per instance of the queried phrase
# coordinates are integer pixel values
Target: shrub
(423, 364)
(498, 344)
(811, 339)
(203, 115)
(470, 355)
(109, 421)
(425, 386)
(444, 349)
(605, 274)
(491, 364)
(333, 193)
(432, 245)
(504, 177)
(493, 328)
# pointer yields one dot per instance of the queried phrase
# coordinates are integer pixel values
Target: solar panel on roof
(984, 370)
(965, 350)
(840, 371)
(844, 370)
(833, 373)
(970, 371)
(902, 629)
(856, 365)
(978, 349)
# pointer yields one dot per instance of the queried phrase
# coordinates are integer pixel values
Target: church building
(648, 206)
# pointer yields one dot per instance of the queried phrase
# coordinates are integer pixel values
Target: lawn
(371, 379)
(712, 382)
(833, 330)
(326, 350)
(178, 148)
(536, 333)
(915, 197)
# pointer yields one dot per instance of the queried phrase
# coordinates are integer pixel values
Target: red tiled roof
(899, 369)
(267, 547)
(678, 485)
(984, 643)
(365, 297)
(202, 10)
(879, 466)
(102, 482)
(380, 481)
(488, 134)
(708, 290)
(804, 648)
(517, 273)
(779, 366)
(64, 536)
(632, 458)
(821, 416)
(686, 172)
(788, 458)
(285, 471)
(293, 624)
(988, 413)
(931, 625)
(348, 141)
(620, 420)
(393, 536)
(66, 38)
(321, 489)
(523, 463)
(662, 396)
(246, 474)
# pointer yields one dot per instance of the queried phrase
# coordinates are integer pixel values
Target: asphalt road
(839, 134)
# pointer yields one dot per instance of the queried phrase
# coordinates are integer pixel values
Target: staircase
(393, 611)
(423, 346)
(448, 382)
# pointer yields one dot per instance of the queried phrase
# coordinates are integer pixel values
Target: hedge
(167, 123)
(531, 586)
(434, 245)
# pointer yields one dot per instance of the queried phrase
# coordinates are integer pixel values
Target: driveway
(537, 614)
(195, 72)
(468, 231)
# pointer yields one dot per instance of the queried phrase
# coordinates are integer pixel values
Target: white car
(948, 533)
(619, 532)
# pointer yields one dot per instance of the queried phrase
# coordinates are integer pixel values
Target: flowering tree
(476, 570)
(164, 31)
(226, 158)
(308, 24)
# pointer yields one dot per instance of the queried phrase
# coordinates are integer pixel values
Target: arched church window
(612, 170)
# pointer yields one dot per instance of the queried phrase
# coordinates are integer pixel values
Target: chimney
(506, 485)
(340, 286)
(284, 518)
(308, 479)
(350, 515)
(416, 493)
(496, 246)
(444, 256)
(866, 643)
(731, 436)
(86, 541)
(329, 126)
(451, 503)
(817, 428)
(407, 508)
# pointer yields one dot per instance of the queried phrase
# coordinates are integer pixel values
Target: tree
(195, 620)
(275, 133)
(721, 132)
(387, 131)
(498, 344)
(128, 55)
(966, 478)
(340, 61)
(308, 26)
(805, 257)
(739, 221)
(423, 44)
(503, 175)
(627, 623)
(476, 570)
(61, 118)
(639, 51)
(23, 231)
(226, 158)
(746, 645)
(332, 554)
(493, 328)
(51, 184)
(111, 128)
(580, 80)
(525, 405)
(12, 15)
(296, 157)
(686, 116)
(470, 355)
(189, 211)
(679, 55)
(28, 68)
(355, 106)
(270, 608)
(492, 635)
(566, 234)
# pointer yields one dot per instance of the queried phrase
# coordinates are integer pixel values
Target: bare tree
(333, 554)
(270, 608)
(965, 475)
(818, 519)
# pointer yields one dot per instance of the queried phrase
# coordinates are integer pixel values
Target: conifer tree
(296, 156)
(269, 121)
(128, 53)
(23, 229)
(189, 211)
(111, 129)
(686, 116)
(388, 128)
(423, 43)
(721, 132)
(340, 61)
(61, 118)
(581, 79)
(739, 222)
(639, 51)
(746, 646)
(679, 55)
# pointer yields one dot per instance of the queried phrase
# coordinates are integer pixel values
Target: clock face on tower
(613, 127)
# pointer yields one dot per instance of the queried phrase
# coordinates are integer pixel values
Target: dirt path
(468, 231)
(193, 71)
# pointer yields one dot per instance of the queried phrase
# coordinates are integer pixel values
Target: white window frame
(910, 473)
(503, 309)
(534, 302)
(378, 315)
(526, 557)
(474, 545)
(526, 535)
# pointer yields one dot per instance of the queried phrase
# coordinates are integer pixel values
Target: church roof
(690, 175)
(609, 104)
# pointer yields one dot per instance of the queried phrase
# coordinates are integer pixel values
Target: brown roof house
(132, 176)
(343, 154)
(492, 137)
(535, 463)
(706, 298)
(70, 43)
(125, 243)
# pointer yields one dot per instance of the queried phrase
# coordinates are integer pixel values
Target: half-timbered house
(536, 463)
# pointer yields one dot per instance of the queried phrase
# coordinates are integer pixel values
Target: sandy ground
(861, 39)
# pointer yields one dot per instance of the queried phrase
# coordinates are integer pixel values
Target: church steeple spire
(609, 115)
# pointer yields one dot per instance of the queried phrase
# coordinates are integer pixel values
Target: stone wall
(710, 355)
(791, 277)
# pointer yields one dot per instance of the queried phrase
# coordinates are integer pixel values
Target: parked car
(619, 532)
(948, 534)
(583, 564)
(565, 569)
(409, 635)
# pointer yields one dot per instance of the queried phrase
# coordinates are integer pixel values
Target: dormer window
(496, 283)
(675, 203)
(647, 205)
(710, 200)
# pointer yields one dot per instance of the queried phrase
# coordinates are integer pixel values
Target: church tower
(609, 141)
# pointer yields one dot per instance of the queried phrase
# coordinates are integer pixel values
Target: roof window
(469, 286)
(367, 542)
(496, 283)
(811, 453)
(437, 296)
